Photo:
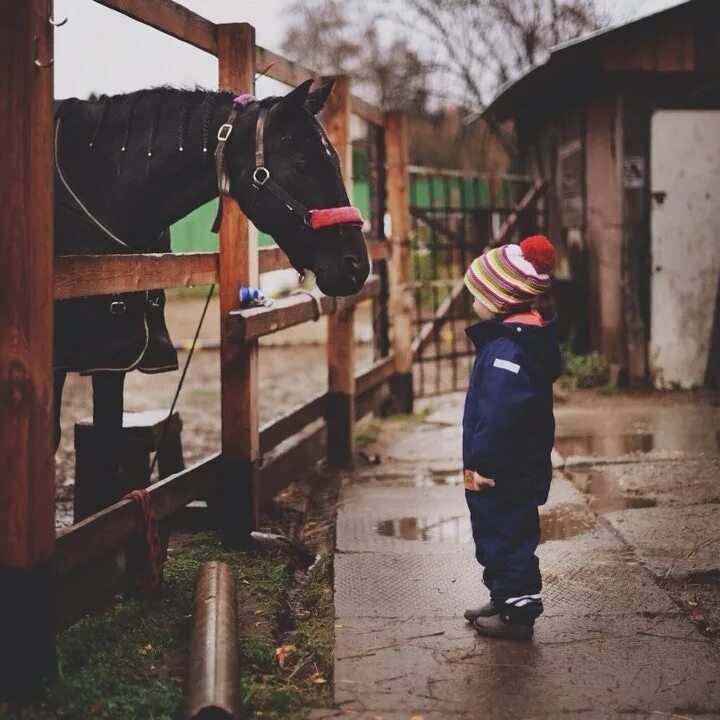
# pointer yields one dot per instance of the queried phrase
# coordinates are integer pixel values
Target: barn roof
(576, 56)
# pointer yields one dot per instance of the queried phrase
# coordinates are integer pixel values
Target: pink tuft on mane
(244, 100)
(335, 216)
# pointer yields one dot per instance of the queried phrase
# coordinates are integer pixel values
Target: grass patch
(584, 371)
(130, 663)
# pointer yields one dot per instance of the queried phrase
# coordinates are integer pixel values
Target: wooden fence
(48, 581)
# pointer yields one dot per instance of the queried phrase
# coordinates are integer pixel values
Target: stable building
(624, 125)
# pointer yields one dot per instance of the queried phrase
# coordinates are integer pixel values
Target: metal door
(685, 221)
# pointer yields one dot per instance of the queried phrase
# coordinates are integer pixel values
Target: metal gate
(454, 217)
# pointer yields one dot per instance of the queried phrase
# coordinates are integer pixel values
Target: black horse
(128, 166)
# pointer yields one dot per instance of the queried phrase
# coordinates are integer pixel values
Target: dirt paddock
(289, 376)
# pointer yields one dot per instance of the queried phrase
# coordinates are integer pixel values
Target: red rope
(146, 553)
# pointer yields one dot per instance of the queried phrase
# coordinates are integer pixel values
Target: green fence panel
(192, 233)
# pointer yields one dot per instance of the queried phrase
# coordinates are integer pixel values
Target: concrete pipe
(212, 691)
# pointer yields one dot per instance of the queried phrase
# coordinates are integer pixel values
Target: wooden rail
(84, 275)
(179, 22)
(116, 525)
(172, 19)
(85, 564)
(294, 310)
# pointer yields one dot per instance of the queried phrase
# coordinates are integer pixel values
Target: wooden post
(27, 483)
(396, 151)
(239, 360)
(341, 324)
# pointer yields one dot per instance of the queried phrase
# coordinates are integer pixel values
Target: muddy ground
(289, 376)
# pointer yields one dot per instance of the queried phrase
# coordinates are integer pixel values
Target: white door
(685, 220)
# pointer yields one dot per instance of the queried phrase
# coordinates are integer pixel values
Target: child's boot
(487, 610)
(502, 627)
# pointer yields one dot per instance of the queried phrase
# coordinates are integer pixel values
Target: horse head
(286, 178)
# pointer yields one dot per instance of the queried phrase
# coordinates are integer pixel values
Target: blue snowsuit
(508, 434)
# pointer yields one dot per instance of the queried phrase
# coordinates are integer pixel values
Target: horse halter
(313, 219)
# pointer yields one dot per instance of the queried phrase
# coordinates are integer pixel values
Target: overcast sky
(100, 50)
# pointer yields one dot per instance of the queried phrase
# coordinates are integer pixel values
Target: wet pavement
(634, 506)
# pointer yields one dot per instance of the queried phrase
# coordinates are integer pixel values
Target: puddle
(424, 479)
(557, 523)
(454, 530)
(562, 522)
(605, 445)
(689, 428)
(604, 493)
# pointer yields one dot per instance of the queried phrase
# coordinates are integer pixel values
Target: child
(508, 430)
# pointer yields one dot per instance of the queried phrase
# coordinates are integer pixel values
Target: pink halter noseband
(315, 218)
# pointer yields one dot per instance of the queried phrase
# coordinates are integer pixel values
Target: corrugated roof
(558, 53)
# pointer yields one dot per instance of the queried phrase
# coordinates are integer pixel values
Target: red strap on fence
(145, 551)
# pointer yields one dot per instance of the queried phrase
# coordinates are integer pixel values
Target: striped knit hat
(510, 278)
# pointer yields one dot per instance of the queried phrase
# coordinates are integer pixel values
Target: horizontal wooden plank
(83, 275)
(280, 429)
(291, 73)
(371, 400)
(282, 468)
(377, 374)
(272, 258)
(281, 69)
(293, 310)
(171, 18)
(112, 528)
(367, 111)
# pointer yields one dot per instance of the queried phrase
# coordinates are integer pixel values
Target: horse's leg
(58, 384)
(108, 423)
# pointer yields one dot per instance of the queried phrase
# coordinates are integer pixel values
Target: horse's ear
(316, 100)
(295, 99)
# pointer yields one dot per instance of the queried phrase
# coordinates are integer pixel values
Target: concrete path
(612, 642)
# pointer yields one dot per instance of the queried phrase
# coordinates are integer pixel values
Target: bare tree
(479, 45)
(340, 36)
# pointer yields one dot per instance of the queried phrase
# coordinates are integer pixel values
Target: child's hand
(474, 481)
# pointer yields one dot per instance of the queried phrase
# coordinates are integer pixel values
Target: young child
(508, 430)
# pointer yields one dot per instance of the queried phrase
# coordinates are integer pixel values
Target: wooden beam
(281, 69)
(238, 360)
(283, 467)
(341, 325)
(27, 477)
(401, 302)
(291, 73)
(378, 373)
(83, 275)
(112, 528)
(280, 429)
(272, 258)
(256, 322)
(171, 18)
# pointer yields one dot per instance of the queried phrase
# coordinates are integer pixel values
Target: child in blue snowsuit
(508, 430)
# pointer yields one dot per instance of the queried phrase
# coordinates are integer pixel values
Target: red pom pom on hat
(539, 252)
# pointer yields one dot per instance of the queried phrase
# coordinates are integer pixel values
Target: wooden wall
(603, 182)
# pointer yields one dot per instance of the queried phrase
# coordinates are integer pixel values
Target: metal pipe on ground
(212, 690)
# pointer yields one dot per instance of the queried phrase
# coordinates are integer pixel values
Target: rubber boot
(500, 626)
(487, 610)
